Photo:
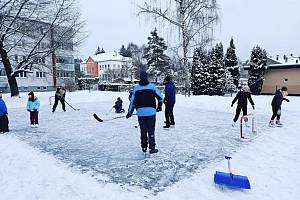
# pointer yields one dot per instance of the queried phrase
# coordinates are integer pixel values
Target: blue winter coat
(3, 108)
(170, 93)
(143, 99)
(33, 105)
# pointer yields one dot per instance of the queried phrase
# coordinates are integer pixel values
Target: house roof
(109, 56)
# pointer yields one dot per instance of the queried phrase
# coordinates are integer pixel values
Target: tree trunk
(13, 85)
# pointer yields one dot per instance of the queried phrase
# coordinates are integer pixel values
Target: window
(37, 74)
(44, 74)
(16, 58)
(38, 88)
(285, 80)
(44, 88)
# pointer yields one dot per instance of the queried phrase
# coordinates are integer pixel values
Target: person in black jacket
(143, 99)
(118, 106)
(169, 101)
(276, 106)
(60, 95)
(242, 98)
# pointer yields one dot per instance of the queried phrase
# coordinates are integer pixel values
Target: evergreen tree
(199, 74)
(217, 78)
(98, 51)
(258, 63)
(231, 64)
(157, 61)
(102, 51)
(123, 51)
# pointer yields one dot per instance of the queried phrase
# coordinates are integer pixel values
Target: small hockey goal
(247, 122)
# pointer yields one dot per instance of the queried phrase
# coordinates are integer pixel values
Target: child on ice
(33, 106)
(276, 106)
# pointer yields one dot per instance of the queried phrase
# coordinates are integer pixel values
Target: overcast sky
(272, 24)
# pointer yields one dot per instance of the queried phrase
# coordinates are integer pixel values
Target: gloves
(231, 105)
(28, 110)
(128, 115)
(253, 107)
(158, 109)
(287, 100)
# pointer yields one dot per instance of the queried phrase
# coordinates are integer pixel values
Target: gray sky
(272, 24)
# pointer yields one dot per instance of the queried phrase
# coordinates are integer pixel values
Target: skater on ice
(118, 106)
(143, 100)
(276, 106)
(33, 106)
(60, 95)
(3, 116)
(242, 97)
(169, 101)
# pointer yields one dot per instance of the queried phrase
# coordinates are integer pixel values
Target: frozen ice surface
(111, 152)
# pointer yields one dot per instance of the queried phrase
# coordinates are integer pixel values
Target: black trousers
(62, 101)
(147, 127)
(238, 111)
(169, 114)
(4, 124)
(275, 113)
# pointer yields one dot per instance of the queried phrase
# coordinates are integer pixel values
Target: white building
(57, 67)
(110, 66)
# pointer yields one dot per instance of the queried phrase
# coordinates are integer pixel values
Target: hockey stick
(76, 109)
(102, 120)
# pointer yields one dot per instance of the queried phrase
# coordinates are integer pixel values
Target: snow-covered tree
(216, 71)
(157, 61)
(258, 63)
(99, 51)
(191, 20)
(231, 64)
(199, 74)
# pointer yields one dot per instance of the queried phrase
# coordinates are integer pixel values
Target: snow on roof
(286, 60)
(109, 56)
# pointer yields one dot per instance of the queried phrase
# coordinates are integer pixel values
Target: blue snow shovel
(231, 180)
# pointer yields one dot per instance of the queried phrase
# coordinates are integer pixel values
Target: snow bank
(26, 174)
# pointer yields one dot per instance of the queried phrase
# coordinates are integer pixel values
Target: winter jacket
(118, 105)
(170, 93)
(3, 108)
(33, 105)
(60, 93)
(242, 98)
(277, 99)
(130, 94)
(143, 99)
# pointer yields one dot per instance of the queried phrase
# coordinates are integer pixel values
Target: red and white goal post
(245, 119)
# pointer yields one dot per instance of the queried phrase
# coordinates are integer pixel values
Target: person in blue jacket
(169, 101)
(33, 106)
(3, 116)
(276, 106)
(143, 99)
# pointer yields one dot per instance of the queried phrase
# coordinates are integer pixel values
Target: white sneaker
(36, 125)
(32, 125)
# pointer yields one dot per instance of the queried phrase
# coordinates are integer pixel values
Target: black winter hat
(143, 75)
(284, 88)
(167, 78)
(31, 93)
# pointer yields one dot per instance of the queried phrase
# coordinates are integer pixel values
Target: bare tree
(36, 29)
(194, 21)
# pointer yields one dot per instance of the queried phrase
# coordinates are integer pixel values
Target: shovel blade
(231, 180)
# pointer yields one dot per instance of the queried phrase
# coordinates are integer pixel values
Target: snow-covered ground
(72, 156)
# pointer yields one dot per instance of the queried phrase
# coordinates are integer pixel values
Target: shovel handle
(227, 157)
(229, 166)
